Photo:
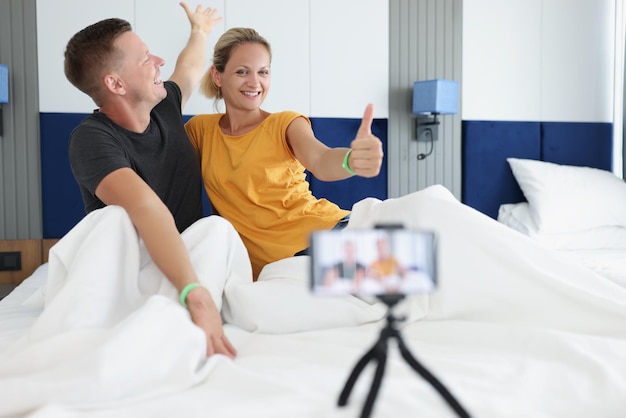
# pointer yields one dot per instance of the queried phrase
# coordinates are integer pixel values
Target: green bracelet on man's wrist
(185, 292)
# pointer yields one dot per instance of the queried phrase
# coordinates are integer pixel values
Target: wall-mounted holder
(426, 129)
(430, 99)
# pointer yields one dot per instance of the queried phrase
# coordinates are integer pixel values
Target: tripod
(378, 353)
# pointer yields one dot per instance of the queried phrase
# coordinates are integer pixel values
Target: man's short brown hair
(91, 53)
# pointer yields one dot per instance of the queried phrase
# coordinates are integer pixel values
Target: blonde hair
(222, 52)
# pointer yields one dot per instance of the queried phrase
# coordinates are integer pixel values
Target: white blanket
(111, 329)
(513, 330)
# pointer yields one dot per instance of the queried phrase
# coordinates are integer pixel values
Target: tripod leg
(378, 377)
(430, 378)
(358, 368)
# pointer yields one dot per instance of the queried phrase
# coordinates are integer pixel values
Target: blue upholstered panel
(336, 132)
(487, 180)
(206, 204)
(582, 144)
(63, 205)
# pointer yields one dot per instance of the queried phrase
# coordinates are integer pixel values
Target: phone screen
(381, 261)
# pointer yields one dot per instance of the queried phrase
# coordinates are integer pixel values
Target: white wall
(329, 58)
(501, 60)
(538, 60)
(527, 60)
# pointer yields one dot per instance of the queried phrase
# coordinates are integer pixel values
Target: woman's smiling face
(245, 81)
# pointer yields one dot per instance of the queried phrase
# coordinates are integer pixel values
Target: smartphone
(379, 261)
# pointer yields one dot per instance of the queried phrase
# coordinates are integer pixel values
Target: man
(133, 152)
(347, 268)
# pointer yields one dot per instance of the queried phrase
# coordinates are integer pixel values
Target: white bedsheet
(607, 262)
(513, 331)
(600, 249)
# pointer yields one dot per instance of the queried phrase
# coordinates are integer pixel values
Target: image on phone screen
(377, 261)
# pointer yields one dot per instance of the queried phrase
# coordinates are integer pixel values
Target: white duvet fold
(491, 273)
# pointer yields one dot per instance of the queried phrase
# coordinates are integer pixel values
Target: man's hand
(366, 157)
(202, 20)
(205, 315)
(191, 62)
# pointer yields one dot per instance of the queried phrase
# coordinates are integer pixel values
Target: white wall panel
(538, 60)
(57, 22)
(317, 65)
(165, 30)
(501, 60)
(349, 57)
(285, 25)
(577, 60)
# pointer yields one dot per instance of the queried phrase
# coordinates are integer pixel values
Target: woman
(254, 162)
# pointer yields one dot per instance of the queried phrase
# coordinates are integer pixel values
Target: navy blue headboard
(63, 206)
(487, 178)
(61, 200)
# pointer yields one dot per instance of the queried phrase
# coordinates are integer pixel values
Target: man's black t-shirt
(162, 156)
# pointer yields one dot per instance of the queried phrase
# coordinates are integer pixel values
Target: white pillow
(566, 198)
(516, 216)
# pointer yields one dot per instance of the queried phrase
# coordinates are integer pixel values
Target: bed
(552, 182)
(513, 330)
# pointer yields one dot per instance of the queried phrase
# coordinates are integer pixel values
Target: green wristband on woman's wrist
(345, 164)
(185, 292)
